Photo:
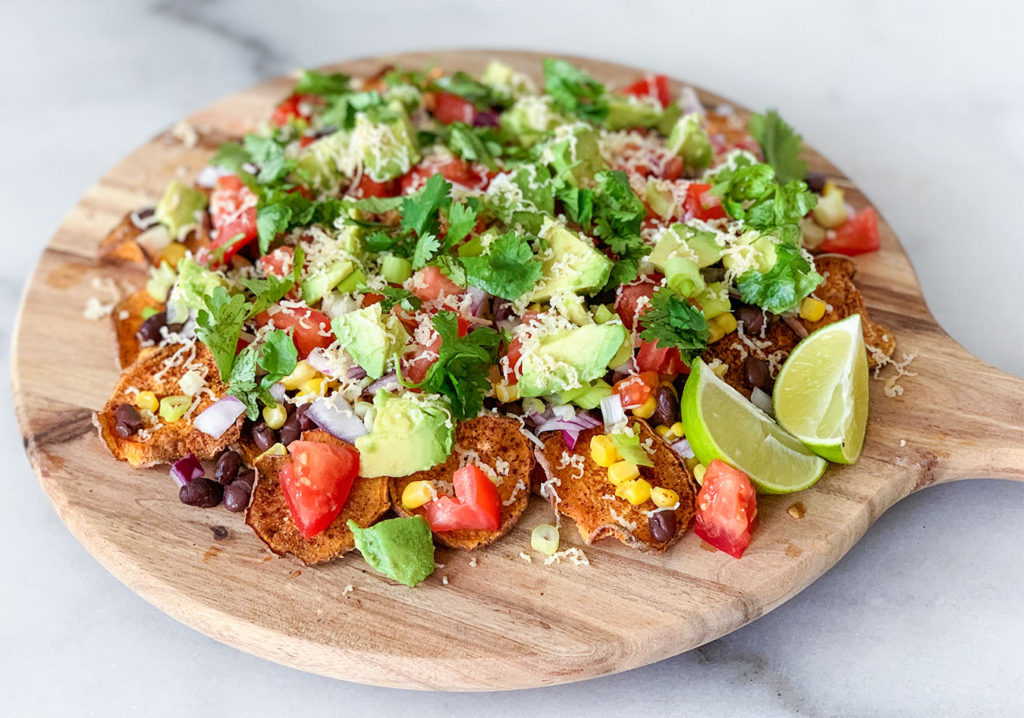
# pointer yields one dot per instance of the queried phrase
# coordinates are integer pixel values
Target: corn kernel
(173, 408)
(635, 492)
(698, 473)
(416, 494)
(678, 430)
(317, 386)
(302, 372)
(716, 332)
(622, 471)
(812, 309)
(830, 211)
(646, 410)
(277, 449)
(275, 416)
(662, 430)
(506, 392)
(172, 254)
(726, 322)
(603, 451)
(147, 400)
(663, 497)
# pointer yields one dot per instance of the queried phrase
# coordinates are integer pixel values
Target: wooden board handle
(973, 422)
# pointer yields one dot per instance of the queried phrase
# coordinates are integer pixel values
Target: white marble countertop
(920, 103)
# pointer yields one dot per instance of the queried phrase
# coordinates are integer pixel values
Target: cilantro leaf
(468, 144)
(426, 247)
(220, 325)
(342, 111)
(780, 144)
(508, 269)
(461, 220)
(575, 91)
(269, 291)
(280, 210)
(784, 286)
(628, 446)
(269, 156)
(231, 156)
(618, 215)
(578, 203)
(452, 267)
(419, 211)
(750, 193)
(276, 356)
(465, 86)
(243, 384)
(375, 205)
(674, 322)
(315, 83)
(394, 295)
(460, 372)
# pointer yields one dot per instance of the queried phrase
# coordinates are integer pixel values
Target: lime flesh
(821, 393)
(722, 424)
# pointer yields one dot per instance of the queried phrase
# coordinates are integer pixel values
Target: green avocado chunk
(194, 283)
(410, 434)
(689, 140)
(401, 549)
(574, 267)
(370, 337)
(177, 209)
(574, 155)
(681, 240)
(627, 112)
(386, 143)
(570, 357)
(317, 166)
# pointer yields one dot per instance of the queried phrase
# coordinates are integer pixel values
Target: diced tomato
(456, 170)
(673, 169)
(653, 86)
(316, 483)
(310, 328)
(859, 234)
(632, 300)
(430, 283)
(726, 508)
(450, 108)
(701, 205)
(416, 362)
(666, 362)
(278, 263)
(371, 298)
(294, 107)
(367, 187)
(510, 360)
(233, 213)
(476, 505)
(634, 390)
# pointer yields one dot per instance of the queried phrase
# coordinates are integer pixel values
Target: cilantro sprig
(575, 91)
(674, 322)
(276, 356)
(460, 372)
(752, 194)
(783, 287)
(781, 145)
(508, 270)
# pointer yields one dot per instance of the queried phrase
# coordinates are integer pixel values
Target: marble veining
(920, 104)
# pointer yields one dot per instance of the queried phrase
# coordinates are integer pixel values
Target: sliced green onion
(544, 539)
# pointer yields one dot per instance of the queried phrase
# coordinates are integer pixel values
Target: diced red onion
(570, 439)
(319, 361)
(186, 469)
(385, 383)
(335, 416)
(487, 118)
(761, 399)
(477, 299)
(612, 412)
(219, 416)
(502, 309)
(278, 391)
(587, 421)
(356, 372)
(689, 102)
(682, 449)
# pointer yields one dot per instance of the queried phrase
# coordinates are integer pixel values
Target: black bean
(263, 435)
(127, 420)
(756, 372)
(236, 496)
(227, 467)
(150, 329)
(305, 421)
(662, 525)
(815, 181)
(247, 476)
(291, 430)
(753, 320)
(203, 492)
(666, 406)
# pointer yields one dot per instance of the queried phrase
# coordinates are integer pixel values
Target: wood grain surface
(503, 623)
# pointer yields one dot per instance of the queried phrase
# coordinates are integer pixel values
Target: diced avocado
(395, 269)
(603, 315)
(195, 282)
(571, 307)
(352, 282)
(401, 549)
(623, 354)
(177, 209)
(591, 399)
(752, 250)
(318, 167)
(669, 117)
(370, 337)
(625, 112)
(529, 118)
(505, 81)
(522, 196)
(161, 279)
(689, 140)
(681, 240)
(574, 155)
(714, 300)
(385, 143)
(568, 395)
(410, 434)
(569, 357)
(315, 286)
(660, 198)
(573, 266)
(683, 276)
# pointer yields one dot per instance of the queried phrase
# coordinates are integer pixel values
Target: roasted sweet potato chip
(495, 444)
(269, 516)
(127, 318)
(159, 370)
(580, 489)
(121, 245)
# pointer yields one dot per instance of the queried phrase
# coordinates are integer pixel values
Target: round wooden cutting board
(504, 622)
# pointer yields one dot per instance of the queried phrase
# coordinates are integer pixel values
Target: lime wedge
(722, 424)
(821, 394)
